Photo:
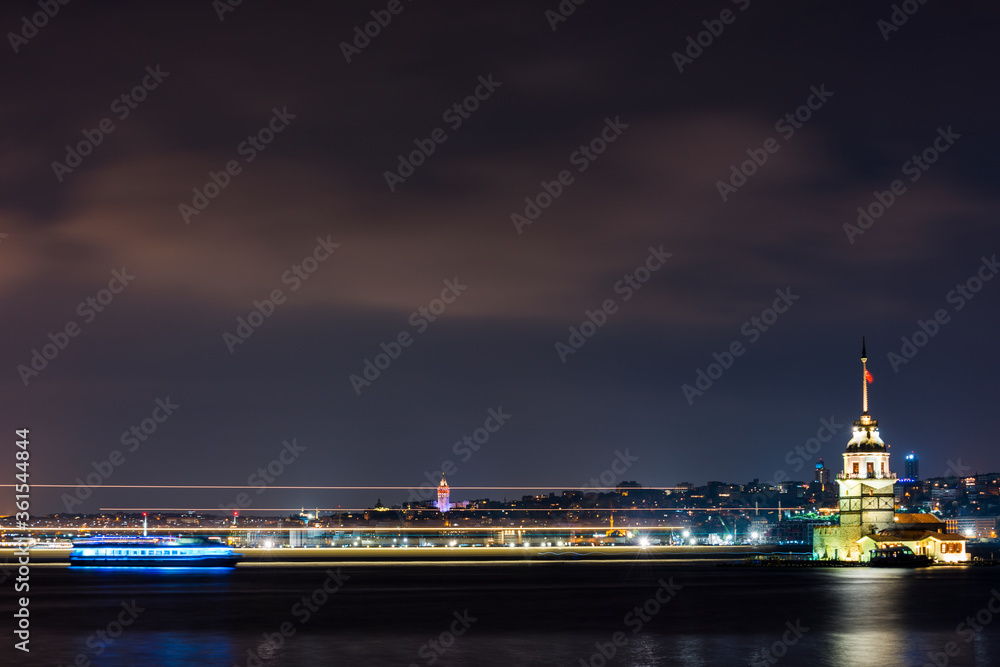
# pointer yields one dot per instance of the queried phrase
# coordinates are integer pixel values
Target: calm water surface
(514, 614)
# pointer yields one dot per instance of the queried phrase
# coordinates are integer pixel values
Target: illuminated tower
(443, 494)
(867, 503)
(912, 466)
(866, 495)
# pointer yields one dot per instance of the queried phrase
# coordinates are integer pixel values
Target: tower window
(871, 468)
(857, 467)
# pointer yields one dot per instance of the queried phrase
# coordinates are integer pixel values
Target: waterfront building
(942, 547)
(924, 534)
(867, 502)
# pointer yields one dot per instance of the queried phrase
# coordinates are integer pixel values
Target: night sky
(631, 165)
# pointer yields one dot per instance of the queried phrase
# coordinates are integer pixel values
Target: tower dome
(865, 438)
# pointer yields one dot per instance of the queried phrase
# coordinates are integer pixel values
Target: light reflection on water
(169, 649)
(528, 615)
(867, 611)
(150, 571)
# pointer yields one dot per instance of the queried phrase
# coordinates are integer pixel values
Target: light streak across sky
(452, 510)
(344, 488)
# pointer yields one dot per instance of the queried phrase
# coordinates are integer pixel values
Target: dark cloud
(655, 185)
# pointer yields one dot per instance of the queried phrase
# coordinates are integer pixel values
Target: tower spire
(864, 378)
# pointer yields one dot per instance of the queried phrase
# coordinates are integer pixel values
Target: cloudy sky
(308, 117)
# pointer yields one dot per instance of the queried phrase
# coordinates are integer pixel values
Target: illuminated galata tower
(443, 493)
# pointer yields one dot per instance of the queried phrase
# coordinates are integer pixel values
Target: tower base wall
(837, 542)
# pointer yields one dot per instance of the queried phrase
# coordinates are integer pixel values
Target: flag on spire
(868, 376)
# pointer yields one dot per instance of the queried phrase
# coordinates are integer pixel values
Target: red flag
(868, 376)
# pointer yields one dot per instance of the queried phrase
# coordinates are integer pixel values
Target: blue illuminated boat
(113, 551)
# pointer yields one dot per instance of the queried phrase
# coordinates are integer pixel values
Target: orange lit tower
(866, 496)
(867, 503)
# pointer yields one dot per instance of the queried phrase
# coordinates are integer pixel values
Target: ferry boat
(116, 551)
(897, 557)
